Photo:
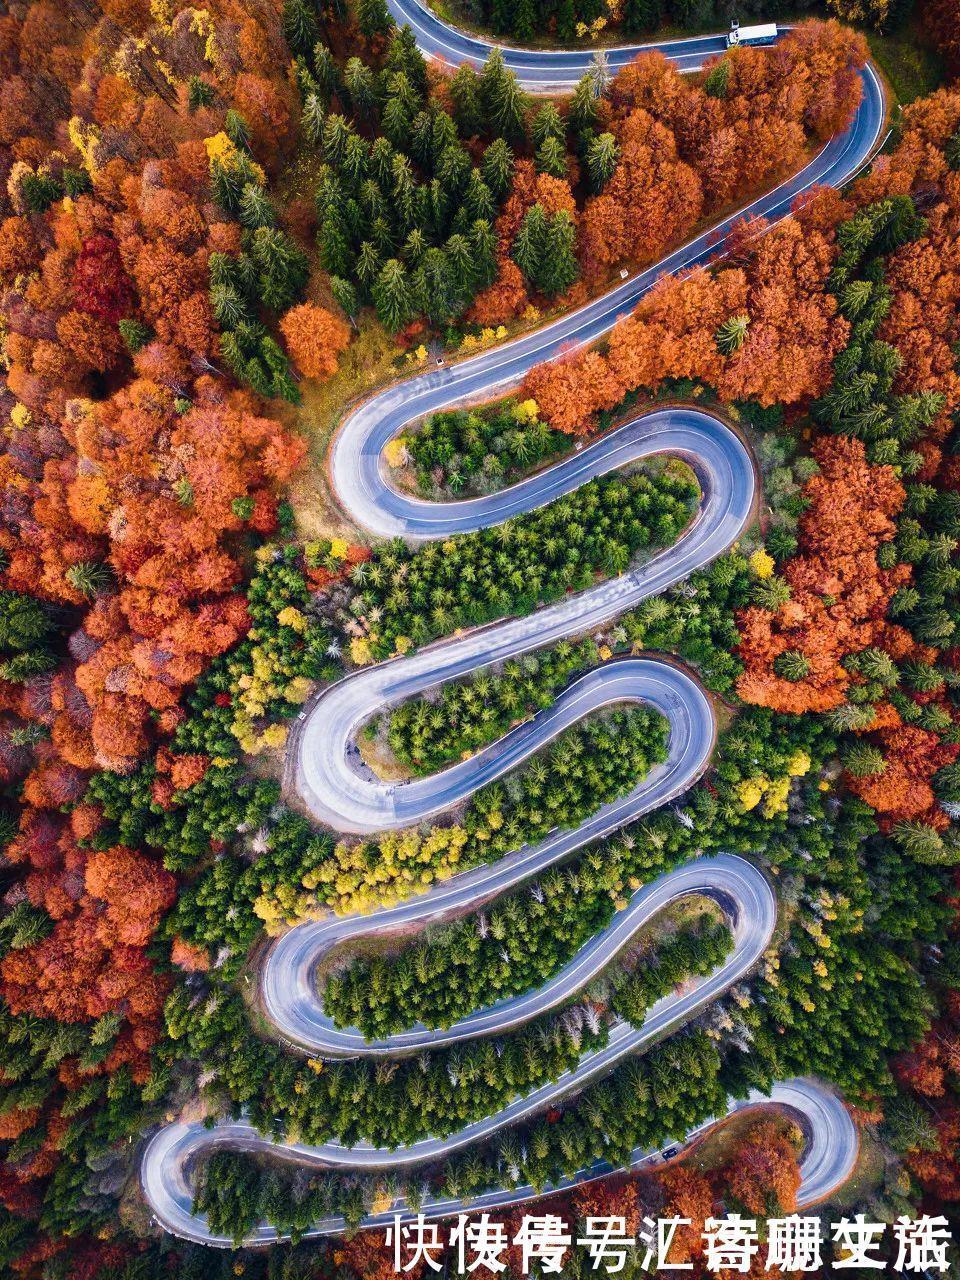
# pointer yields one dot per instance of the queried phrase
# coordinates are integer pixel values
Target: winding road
(320, 768)
(539, 70)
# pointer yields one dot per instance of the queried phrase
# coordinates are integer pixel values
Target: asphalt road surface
(539, 70)
(337, 794)
(828, 1160)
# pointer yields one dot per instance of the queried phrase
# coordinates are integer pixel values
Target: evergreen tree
(502, 102)
(326, 71)
(434, 287)
(335, 255)
(863, 760)
(547, 123)
(483, 241)
(583, 106)
(135, 334)
(199, 94)
(478, 199)
(566, 20)
(373, 17)
(732, 334)
(391, 296)
(601, 156)
(282, 268)
(559, 267)
(345, 296)
(641, 15)
(403, 55)
(312, 119)
(237, 130)
(464, 93)
(497, 167)
(359, 83)
(256, 210)
(530, 241)
(300, 26)
(791, 665)
(23, 622)
(718, 78)
(551, 158)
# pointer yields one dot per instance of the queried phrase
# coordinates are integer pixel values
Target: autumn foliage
(776, 279)
(131, 474)
(315, 338)
(838, 593)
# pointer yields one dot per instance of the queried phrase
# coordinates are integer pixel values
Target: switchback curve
(831, 1150)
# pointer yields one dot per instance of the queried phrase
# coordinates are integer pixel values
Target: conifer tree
(391, 295)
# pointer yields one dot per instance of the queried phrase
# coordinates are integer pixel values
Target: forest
(207, 213)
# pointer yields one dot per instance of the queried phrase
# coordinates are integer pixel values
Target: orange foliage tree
(315, 338)
(838, 593)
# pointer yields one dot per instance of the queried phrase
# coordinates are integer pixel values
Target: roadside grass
(912, 69)
(721, 1144)
(369, 362)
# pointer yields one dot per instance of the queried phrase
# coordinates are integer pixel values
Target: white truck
(765, 34)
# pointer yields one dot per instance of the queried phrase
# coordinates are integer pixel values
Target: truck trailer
(765, 34)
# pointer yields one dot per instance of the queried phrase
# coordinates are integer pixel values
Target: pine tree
(199, 94)
(135, 334)
(863, 760)
(464, 93)
(326, 71)
(547, 123)
(226, 186)
(237, 130)
(503, 103)
(312, 119)
(300, 26)
(641, 15)
(483, 240)
(497, 167)
(583, 106)
(391, 296)
(732, 334)
(551, 158)
(368, 266)
(718, 78)
(359, 83)
(256, 209)
(524, 19)
(791, 665)
(373, 17)
(403, 55)
(530, 241)
(396, 122)
(23, 621)
(566, 21)
(559, 267)
(89, 577)
(478, 199)
(335, 255)
(435, 288)
(602, 155)
(463, 267)
(282, 268)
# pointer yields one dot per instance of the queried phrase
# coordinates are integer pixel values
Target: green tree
(503, 103)
(300, 26)
(497, 167)
(373, 17)
(601, 156)
(718, 78)
(392, 297)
